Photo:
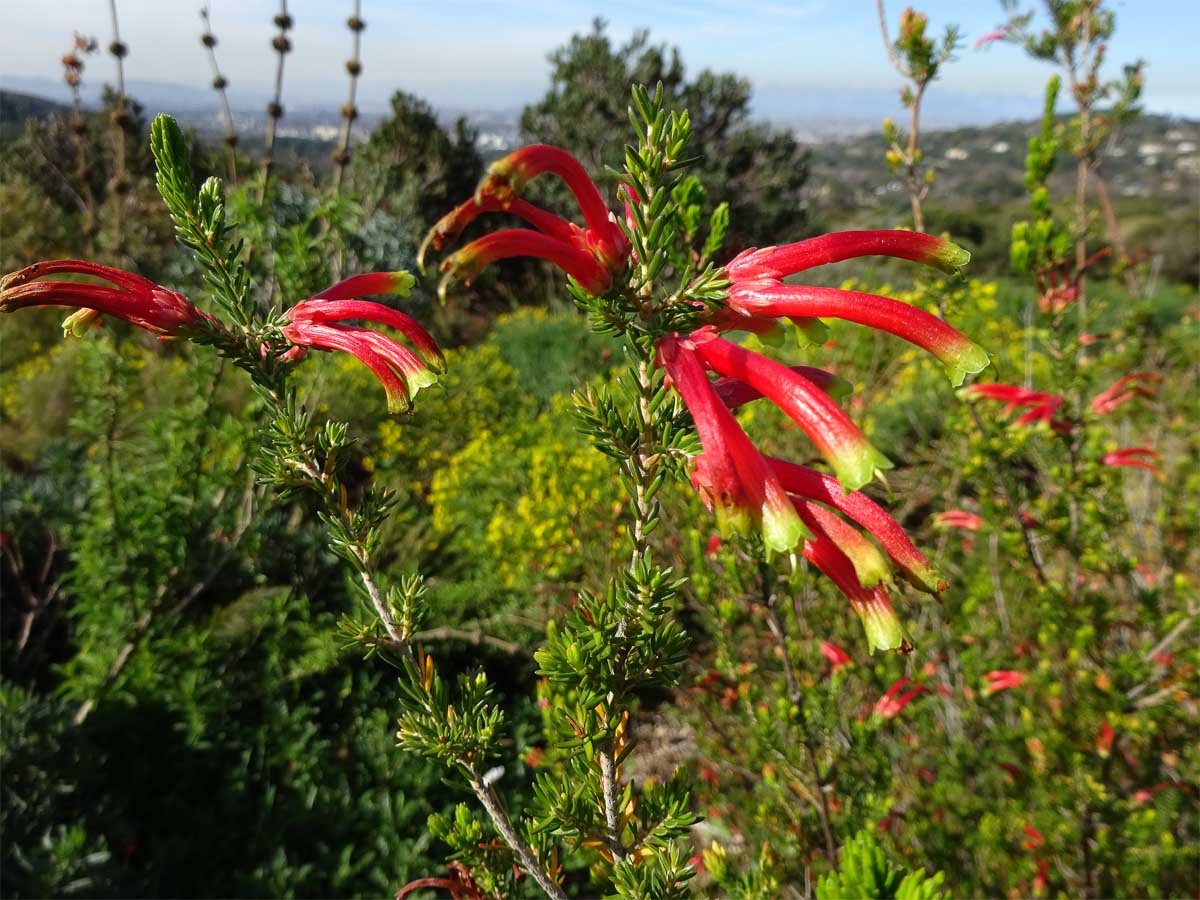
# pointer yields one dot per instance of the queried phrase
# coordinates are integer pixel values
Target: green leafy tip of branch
(200, 222)
(865, 873)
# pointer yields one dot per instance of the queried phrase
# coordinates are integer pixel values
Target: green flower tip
(503, 180)
(80, 322)
(810, 332)
(782, 529)
(401, 283)
(733, 519)
(949, 257)
(398, 402)
(883, 628)
(870, 568)
(858, 467)
(971, 359)
(927, 579)
(420, 379)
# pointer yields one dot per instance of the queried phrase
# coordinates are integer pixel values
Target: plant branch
(529, 862)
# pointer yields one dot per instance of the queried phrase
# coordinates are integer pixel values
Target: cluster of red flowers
(1135, 456)
(126, 296)
(893, 701)
(316, 323)
(591, 255)
(1043, 408)
(790, 504)
(1040, 406)
(1124, 389)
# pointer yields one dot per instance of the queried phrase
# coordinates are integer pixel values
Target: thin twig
(796, 697)
(476, 638)
(341, 156)
(119, 183)
(491, 804)
(282, 45)
(887, 41)
(219, 83)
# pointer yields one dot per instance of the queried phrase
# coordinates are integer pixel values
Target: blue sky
(492, 53)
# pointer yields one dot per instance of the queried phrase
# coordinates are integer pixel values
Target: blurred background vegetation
(179, 718)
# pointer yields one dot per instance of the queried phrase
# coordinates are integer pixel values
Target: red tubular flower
(731, 476)
(779, 262)
(1042, 880)
(957, 518)
(1118, 394)
(958, 355)
(590, 255)
(836, 655)
(135, 299)
(451, 226)
(316, 323)
(1035, 838)
(1129, 457)
(734, 393)
(506, 179)
(757, 288)
(1002, 680)
(870, 567)
(892, 701)
(1104, 739)
(812, 485)
(838, 439)
(1041, 406)
(986, 39)
(872, 605)
(472, 259)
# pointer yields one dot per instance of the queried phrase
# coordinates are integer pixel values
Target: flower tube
(731, 476)
(872, 605)
(592, 255)
(450, 227)
(318, 323)
(836, 656)
(472, 259)
(734, 393)
(506, 179)
(960, 356)
(812, 485)
(870, 567)
(789, 259)
(135, 299)
(838, 439)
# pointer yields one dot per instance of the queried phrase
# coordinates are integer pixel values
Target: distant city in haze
(816, 66)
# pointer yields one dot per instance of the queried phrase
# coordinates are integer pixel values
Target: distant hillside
(1154, 157)
(16, 108)
(1152, 169)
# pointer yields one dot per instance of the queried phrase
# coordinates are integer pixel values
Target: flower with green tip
(731, 476)
(838, 439)
(757, 289)
(318, 323)
(127, 296)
